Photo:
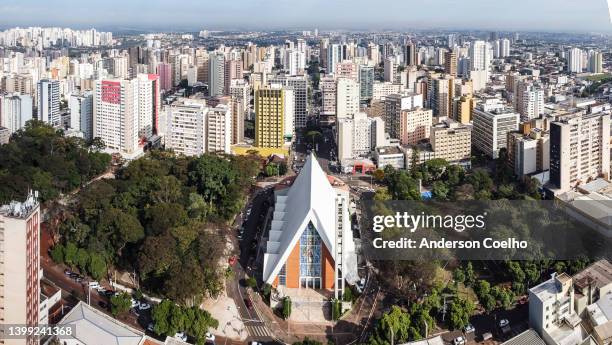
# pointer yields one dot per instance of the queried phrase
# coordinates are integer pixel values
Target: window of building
(310, 258)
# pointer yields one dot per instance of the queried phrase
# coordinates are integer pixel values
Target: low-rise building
(390, 155)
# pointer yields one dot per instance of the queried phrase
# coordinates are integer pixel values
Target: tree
(160, 314)
(459, 275)
(313, 135)
(440, 190)
(120, 228)
(378, 175)
(97, 266)
(57, 253)
(120, 303)
(82, 259)
(286, 307)
(470, 276)
(70, 254)
(460, 312)
(251, 282)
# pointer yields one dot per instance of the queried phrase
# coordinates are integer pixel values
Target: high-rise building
(270, 117)
(347, 98)
(450, 63)
(232, 71)
(186, 133)
(480, 56)
(414, 125)
(216, 74)
(491, 128)
(116, 115)
(219, 129)
(440, 93)
(389, 69)
(299, 85)
(410, 54)
(240, 93)
(504, 47)
(20, 267)
(366, 82)
(164, 70)
(530, 101)
(148, 104)
(15, 111)
(48, 96)
(328, 96)
(347, 69)
(451, 141)
(81, 113)
(359, 135)
(579, 149)
(394, 105)
(596, 62)
(334, 56)
(574, 60)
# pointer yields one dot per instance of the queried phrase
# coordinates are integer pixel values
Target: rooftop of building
(549, 288)
(21, 210)
(598, 274)
(93, 327)
(529, 337)
(437, 340)
(593, 199)
(389, 150)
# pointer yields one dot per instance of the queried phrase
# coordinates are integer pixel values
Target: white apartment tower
(15, 111)
(491, 128)
(347, 98)
(48, 96)
(574, 60)
(116, 115)
(359, 135)
(81, 113)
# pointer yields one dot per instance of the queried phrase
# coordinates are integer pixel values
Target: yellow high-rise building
(269, 117)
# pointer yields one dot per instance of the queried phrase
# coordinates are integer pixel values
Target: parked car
(144, 306)
(181, 335)
(150, 327)
(459, 341)
(210, 337)
(469, 329)
(135, 303)
(503, 323)
(94, 285)
(68, 272)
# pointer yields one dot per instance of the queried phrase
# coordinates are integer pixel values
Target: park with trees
(163, 216)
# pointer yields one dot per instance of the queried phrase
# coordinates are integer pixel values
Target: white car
(150, 327)
(210, 337)
(135, 303)
(459, 341)
(181, 335)
(469, 329)
(503, 323)
(144, 306)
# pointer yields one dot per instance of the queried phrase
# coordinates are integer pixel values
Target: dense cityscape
(215, 187)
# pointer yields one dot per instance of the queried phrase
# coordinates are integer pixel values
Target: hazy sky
(549, 15)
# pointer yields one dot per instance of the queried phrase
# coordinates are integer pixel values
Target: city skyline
(547, 15)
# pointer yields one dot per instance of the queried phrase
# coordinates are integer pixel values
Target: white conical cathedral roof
(311, 198)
